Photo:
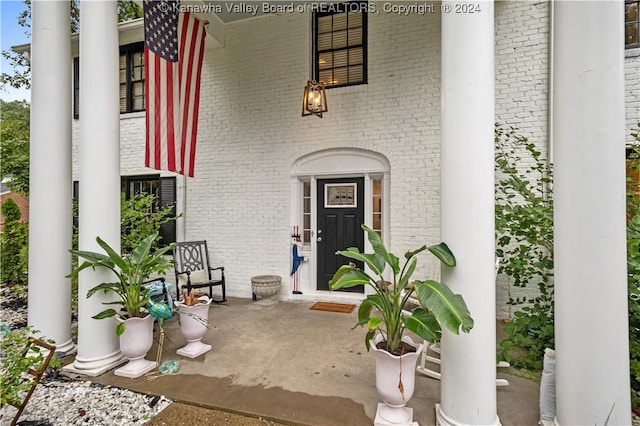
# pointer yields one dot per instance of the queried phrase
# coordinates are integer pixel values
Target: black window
(632, 23)
(340, 44)
(164, 189)
(132, 78)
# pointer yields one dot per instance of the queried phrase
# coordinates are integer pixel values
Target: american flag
(173, 52)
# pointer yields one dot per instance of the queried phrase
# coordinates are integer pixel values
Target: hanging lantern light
(314, 100)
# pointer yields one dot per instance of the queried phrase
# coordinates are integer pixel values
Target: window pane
(377, 222)
(340, 22)
(339, 39)
(355, 20)
(325, 60)
(355, 56)
(631, 34)
(340, 58)
(324, 24)
(138, 96)
(326, 77)
(123, 97)
(356, 74)
(355, 37)
(340, 76)
(324, 42)
(631, 12)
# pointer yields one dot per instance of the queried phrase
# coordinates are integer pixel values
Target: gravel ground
(61, 401)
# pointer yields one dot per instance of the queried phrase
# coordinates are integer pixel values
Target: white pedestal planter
(135, 342)
(264, 286)
(388, 373)
(193, 324)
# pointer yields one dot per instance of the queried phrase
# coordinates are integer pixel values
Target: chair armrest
(220, 268)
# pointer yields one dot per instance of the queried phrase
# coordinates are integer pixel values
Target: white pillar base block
(67, 348)
(135, 368)
(194, 349)
(443, 420)
(386, 415)
(96, 367)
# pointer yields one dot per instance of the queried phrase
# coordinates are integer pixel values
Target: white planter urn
(135, 342)
(194, 325)
(390, 369)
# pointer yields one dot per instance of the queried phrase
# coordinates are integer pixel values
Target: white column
(99, 170)
(468, 387)
(591, 326)
(50, 210)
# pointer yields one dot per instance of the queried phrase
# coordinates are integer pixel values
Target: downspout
(551, 85)
(183, 224)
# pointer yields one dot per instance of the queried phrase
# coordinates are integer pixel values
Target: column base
(135, 368)
(443, 420)
(95, 367)
(194, 349)
(67, 348)
(388, 416)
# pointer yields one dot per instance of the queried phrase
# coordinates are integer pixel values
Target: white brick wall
(251, 132)
(522, 88)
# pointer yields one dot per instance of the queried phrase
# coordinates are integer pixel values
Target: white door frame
(335, 163)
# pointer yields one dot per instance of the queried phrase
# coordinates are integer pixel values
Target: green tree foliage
(20, 75)
(14, 242)
(14, 149)
(524, 233)
(140, 217)
(15, 363)
(633, 266)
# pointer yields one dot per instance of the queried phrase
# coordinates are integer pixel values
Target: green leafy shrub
(14, 242)
(15, 364)
(524, 234)
(140, 217)
(633, 268)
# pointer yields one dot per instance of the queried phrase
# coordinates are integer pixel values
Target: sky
(12, 34)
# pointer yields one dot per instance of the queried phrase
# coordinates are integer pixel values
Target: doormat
(345, 308)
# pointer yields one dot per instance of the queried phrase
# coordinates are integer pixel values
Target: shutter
(76, 88)
(168, 198)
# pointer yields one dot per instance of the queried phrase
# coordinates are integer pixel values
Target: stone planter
(194, 325)
(135, 342)
(264, 286)
(389, 369)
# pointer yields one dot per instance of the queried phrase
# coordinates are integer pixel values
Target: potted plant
(386, 316)
(135, 325)
(194, 322)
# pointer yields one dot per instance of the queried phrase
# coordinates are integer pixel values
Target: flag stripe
(196, 110)
(172, 88)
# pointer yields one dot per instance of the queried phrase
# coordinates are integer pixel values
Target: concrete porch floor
(280, 360)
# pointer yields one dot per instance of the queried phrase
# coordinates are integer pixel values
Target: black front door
(340, 215)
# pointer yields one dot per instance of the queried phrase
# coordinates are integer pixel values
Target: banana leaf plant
(131, 271)
(439, 306)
